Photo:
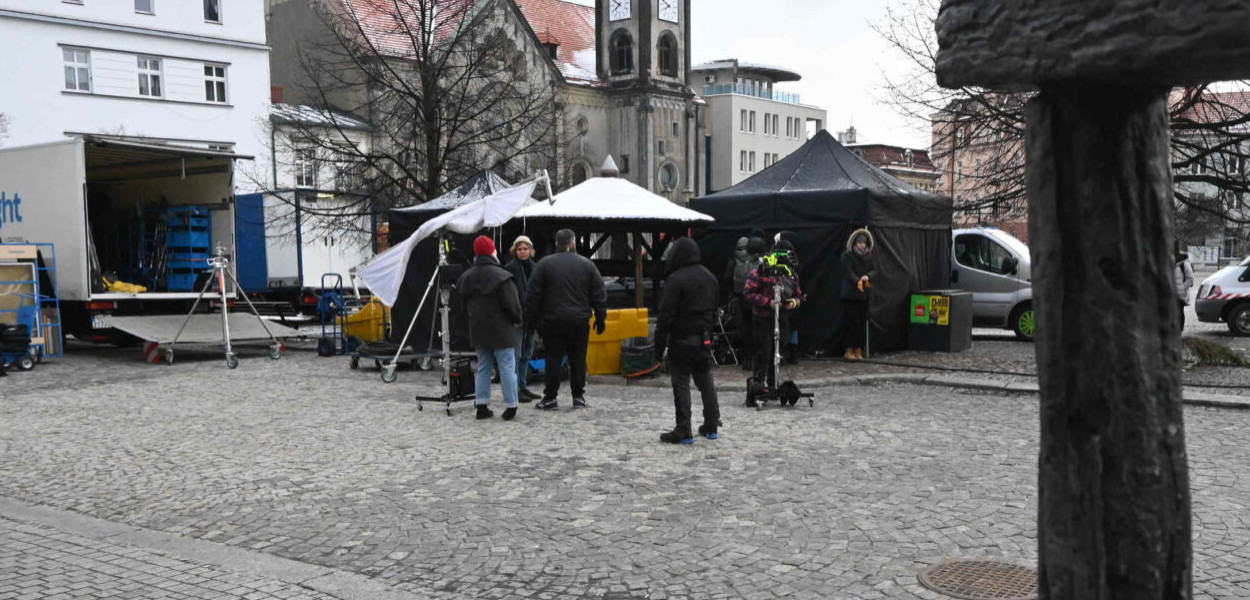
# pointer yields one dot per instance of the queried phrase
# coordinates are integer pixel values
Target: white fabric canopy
(610, 198)
(384, 273)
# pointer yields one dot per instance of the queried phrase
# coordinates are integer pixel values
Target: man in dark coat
(490, 299)
(565, 290)
(778, 269)
(522, 268)
(684, 329)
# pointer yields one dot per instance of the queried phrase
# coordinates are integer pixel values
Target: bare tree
(445, 87)
(978, 134)
(4, 126)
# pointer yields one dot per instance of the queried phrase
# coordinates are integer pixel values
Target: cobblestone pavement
(308, 460)
(41, 563)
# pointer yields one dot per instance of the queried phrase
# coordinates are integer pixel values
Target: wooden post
(1113, 512)
(1114, 504)
(639, 295)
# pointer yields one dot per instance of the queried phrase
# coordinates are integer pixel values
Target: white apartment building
(180, 72)
(751, 124)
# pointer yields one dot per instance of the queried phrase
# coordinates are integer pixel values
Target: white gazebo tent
(613, 206)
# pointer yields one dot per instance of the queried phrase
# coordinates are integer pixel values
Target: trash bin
(638, 356)
(941, 321)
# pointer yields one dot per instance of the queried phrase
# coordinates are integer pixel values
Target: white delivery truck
(1225, 296)
(104, 202)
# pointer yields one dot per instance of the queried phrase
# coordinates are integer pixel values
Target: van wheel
(1239, 320)
(1024, 322)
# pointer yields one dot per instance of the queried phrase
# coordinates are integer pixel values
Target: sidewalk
(47, 554)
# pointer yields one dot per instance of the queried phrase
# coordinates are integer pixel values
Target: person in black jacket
(684, 329)
(857, 278)
(565, 290)
(522, 269)
(490, 299)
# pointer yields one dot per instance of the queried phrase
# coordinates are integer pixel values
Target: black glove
(600, 326)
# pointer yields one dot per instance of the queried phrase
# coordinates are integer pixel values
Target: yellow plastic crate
(603, 357)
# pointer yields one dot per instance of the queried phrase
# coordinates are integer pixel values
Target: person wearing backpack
(745, 259)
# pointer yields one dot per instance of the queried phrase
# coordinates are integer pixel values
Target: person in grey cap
(522, 268)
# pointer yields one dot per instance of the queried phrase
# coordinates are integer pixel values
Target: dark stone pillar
(1114, 519)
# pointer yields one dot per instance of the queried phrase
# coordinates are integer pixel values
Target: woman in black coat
(857, 278)
(494, 309)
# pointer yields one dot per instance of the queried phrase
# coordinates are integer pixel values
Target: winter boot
(509, 413)
(708, 431)
(484, 412)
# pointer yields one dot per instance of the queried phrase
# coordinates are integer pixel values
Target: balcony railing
(720, 89)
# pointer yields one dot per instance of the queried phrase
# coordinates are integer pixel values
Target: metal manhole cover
(981, 580)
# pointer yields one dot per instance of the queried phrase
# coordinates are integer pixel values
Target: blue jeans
(486, 362)
(524, 349)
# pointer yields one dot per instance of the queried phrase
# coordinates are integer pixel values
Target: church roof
(574, 26)
(393, 27)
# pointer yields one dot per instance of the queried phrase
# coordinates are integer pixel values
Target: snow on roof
(610, 198)
(574, 26)
(301, 114)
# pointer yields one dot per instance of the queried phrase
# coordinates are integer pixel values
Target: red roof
(394, 27)
(574, 26)
(894, 156)
(1217, 107)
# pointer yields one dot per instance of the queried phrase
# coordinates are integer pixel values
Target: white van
(995, 267)
(1225, 296)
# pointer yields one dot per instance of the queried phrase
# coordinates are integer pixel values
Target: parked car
(995, 267)
(1225, 296)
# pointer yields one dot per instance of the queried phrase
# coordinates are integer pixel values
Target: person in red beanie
(490, 298)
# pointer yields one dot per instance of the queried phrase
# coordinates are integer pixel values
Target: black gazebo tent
(822, 192)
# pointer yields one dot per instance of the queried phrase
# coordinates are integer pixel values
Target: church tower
(643, 54)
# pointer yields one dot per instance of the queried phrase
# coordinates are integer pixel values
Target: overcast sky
(829, 42)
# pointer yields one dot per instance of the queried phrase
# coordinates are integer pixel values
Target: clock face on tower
(668, 10)
(620, 10)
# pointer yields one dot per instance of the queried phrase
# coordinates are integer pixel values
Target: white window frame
(151, 9)
(768, 123)
(79, 69)
(751, 162)
(149, 73)
(742, 161)
(742, 126)
(776, 124)
(216, 3)
(304, 167)
(752, 122)
(213, 80)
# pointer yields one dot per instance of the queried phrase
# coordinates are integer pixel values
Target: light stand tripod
(220, 271)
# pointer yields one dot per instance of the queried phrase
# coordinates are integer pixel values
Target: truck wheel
(1239, 320)
(25, 362)
(1023, 321)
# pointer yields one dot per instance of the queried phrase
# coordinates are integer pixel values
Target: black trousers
(854, 314)
(565, 339)
(682, 366)
(763, 327)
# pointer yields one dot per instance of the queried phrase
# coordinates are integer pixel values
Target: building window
(624, 164)
(752, 122)
(776, 124)
(583, 126)
(789, 127)
(212, 11)
(742, 161)
(579, 173)
(305, 167)
(751, 162)
(768, 123)
(661, 147)
(215, 83)
(668, 55)
(77, 69)
(149, 77)
(622, 55)
(676, 129)
(743, 125)
(669, 177)
(145, 6)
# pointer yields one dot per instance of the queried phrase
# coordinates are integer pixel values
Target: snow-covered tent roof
(609, 199)
(477, 187)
